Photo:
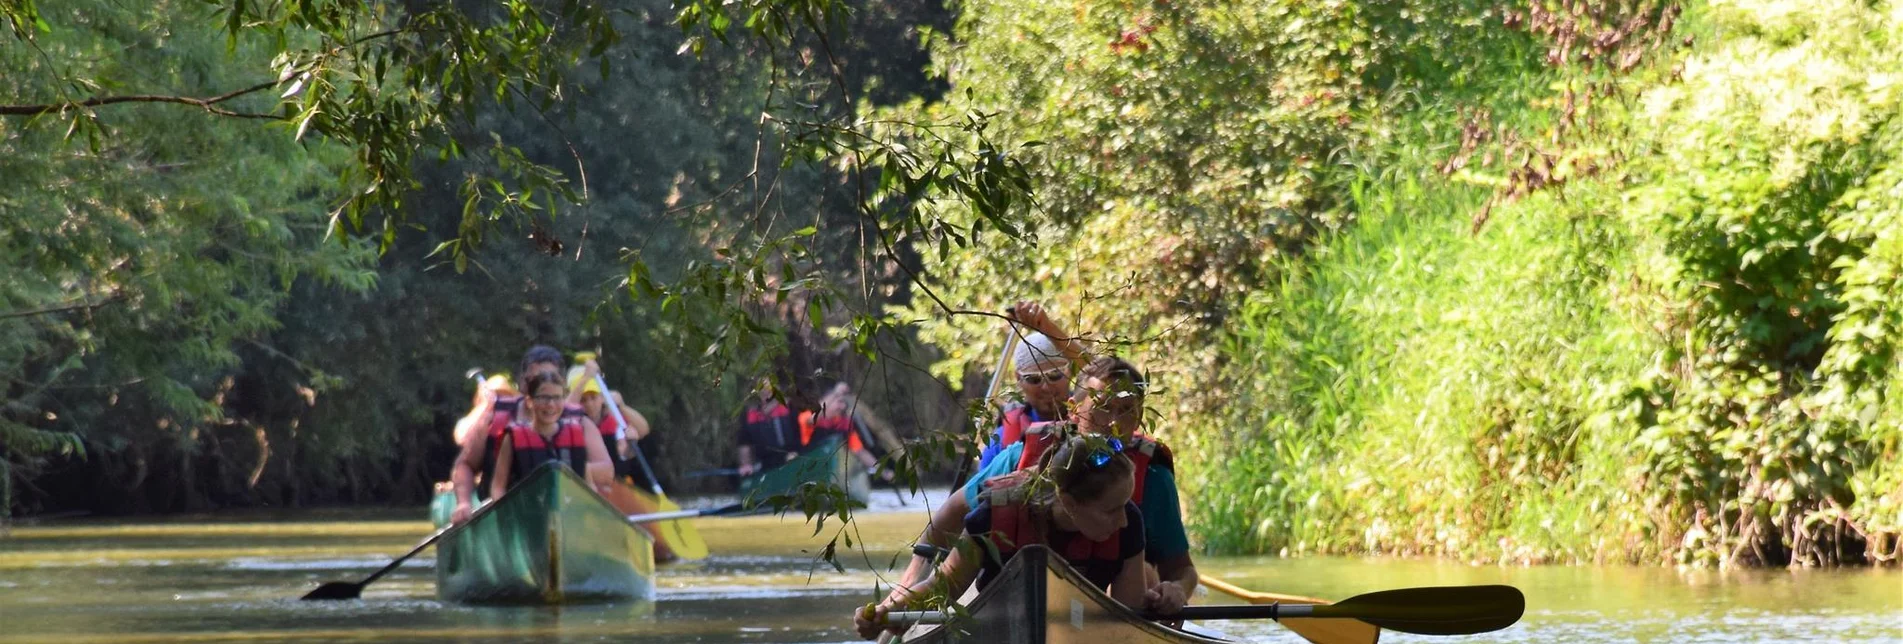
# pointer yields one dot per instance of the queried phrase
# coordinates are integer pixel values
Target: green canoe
(826, 461)
(550, 540)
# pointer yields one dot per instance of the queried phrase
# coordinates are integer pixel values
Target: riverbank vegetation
(1550, 282)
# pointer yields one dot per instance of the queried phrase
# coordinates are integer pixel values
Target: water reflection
(215, 579)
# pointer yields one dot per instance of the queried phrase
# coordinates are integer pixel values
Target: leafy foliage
(137, 267)
(1655, 366)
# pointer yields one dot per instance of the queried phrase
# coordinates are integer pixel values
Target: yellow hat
(574, 382)
(499, 383)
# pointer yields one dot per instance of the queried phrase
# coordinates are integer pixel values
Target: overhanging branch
(209, 104)
(87, 306)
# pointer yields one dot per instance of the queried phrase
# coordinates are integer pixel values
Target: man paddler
(837, 420)
(769, 434)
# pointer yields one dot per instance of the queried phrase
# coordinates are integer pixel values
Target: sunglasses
(549, 399)
(1035, 379)
(1101, 458)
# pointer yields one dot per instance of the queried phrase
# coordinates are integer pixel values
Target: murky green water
(237, 578)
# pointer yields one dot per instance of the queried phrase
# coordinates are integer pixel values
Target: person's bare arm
(485, 407)
(505, 462)
(1031, 314)
(590, 371)
(462, 476)
(1128, 588)
(745, 456)
(637, 424)
(948, 581)
(1179, 570)
(601, 469)
(947, 523)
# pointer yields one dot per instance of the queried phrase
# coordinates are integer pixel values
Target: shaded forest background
(1550, 281)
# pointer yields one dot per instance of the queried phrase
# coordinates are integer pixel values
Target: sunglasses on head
(1041, 377)
(1102, 457)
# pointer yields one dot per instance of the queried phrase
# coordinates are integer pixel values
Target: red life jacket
(1141, 451)
(503, 413)
(770, 429)
(1018, 417)
(569, 445)
(1013, 527)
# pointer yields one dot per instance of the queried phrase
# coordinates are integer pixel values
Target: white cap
(1036, 352)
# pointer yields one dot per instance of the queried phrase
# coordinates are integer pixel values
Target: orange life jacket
(814, 427)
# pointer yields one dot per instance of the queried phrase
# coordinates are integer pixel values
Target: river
(236, 577)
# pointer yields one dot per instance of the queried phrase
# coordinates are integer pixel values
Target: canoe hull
(550, 540)
(825, 462)
(1039, 599)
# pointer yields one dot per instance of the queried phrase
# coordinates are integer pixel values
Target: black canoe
(1040, 599)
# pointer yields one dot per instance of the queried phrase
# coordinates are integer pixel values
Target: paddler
(499, 407)
(769, 436)
(555, 432)
(1077, 502)
(620, 442)
(1109, 403)
(835, 421)
(1044, 360)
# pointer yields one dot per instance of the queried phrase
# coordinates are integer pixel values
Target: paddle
(1004, 360)
(1317, 631)
(681, 537)
(1439, 610)
(927, 551)
(348, 590)
(732, 509)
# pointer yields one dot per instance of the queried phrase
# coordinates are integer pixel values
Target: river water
(237, 578)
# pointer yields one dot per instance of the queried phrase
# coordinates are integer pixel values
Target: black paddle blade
(1437, 610)
(334, 590)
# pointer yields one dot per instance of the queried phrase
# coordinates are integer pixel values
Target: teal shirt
(1164, 537)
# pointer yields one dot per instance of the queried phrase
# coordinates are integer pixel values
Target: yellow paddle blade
(1318, 631)
(680, 535)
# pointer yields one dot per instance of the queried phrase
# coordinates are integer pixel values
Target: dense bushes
(1687, 357)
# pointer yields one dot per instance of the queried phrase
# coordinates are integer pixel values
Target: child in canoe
(1077, 502)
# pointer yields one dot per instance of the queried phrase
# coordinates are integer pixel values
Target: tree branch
(209, 104)
(61, 309)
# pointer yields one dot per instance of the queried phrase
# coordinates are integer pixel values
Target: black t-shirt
(1099, 572)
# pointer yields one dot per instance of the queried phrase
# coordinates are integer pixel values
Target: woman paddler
(1109, 403)
(482, 429)
(553, 434)
(1077, 502)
